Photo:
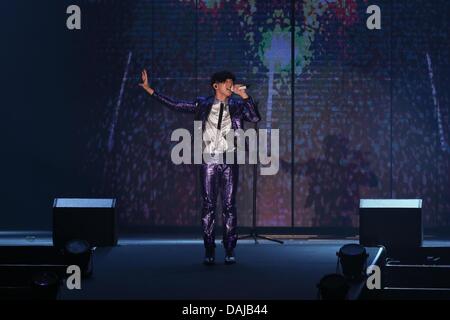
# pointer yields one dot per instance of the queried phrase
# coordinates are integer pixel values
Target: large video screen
(361, 112)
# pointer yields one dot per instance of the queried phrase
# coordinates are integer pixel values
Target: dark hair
(222, 76)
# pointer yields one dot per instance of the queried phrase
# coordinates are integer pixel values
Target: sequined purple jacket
(240, 109)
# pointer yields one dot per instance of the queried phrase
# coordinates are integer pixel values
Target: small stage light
(44, 286)
(79, 252)
(353, 260)
(333, 287)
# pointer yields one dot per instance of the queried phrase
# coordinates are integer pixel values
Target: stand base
(256, 236)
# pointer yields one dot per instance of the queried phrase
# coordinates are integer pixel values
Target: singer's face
(225, 87)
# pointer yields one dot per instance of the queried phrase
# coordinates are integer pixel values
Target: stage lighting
(353, 260)
(44, 286)
(333, 287)
(79, 252)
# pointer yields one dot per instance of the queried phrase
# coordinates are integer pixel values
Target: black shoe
(209, 257)
(229, 257)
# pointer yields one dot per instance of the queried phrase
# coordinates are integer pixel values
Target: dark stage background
(360, 119)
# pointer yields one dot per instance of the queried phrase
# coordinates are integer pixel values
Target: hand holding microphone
(239, 89)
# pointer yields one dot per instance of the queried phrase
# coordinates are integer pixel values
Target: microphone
(242, 87)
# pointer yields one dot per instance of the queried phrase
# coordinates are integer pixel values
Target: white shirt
(215, 141)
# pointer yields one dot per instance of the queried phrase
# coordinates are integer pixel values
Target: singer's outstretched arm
(175, 104)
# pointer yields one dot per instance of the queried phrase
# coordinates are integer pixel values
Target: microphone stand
(254, 233)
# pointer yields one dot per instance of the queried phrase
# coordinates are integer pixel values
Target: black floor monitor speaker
(393, 223)
(93, 220)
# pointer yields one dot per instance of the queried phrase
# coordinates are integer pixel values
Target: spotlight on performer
(353, 260)
(79, 252)
(333, 286)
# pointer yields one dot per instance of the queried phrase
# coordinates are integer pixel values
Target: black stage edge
(195, 231)
(273, 232)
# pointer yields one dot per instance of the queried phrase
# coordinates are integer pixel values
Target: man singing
(219, 113)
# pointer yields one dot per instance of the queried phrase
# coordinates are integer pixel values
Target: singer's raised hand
(144, 83)
(240, 90)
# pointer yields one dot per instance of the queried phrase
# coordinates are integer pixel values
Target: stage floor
(173, 269)
(161, 268)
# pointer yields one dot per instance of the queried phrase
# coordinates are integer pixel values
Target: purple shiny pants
(214, 179)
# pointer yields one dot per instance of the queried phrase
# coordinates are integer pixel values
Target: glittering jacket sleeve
(174, 104)
(250, 110)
